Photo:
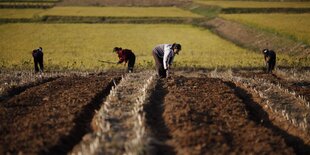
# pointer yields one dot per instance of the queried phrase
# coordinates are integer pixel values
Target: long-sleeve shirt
(37, 54)
(165, 52)
(270, 56)
(125, 55)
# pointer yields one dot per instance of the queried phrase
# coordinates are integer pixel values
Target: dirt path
(119, 125)
(204, 116)
(52, 117)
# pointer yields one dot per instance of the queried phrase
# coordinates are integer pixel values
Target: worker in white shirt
(164, 55)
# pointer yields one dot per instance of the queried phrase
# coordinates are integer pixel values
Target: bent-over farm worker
(37, 55)
(126, 55)
(163, 55)
(270, 59)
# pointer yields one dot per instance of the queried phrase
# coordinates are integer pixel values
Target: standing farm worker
(163, 55)
(37, 55)
(126, 55)
(270, 59)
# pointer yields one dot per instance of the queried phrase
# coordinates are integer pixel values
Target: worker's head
(117, 49)
(265, 51)
(176, 48)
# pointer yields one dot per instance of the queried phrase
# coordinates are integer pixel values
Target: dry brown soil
(52, 117)
(205, 116)
(299, 87)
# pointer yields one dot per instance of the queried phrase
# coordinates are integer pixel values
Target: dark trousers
(270, 66)
(159, 65)
(131, 63)
(38, 62)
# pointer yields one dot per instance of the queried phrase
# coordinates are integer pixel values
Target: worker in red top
(126, 55)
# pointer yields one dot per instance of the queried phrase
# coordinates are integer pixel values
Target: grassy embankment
(295, 26)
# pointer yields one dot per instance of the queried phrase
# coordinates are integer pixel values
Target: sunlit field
(120, 12)
(292, 25)
(80, 46)
(255, 4)
(20, 13)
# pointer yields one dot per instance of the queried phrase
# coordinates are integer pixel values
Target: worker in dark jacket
(163, 55)
(37, 55)
(270, 59)
(126, 55)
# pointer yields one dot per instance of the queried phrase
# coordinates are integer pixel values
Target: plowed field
(204, 116)
(52, 117)
(228, 112)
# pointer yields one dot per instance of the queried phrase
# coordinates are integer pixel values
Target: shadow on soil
(82, 124)
(154, 115)
(260, 116)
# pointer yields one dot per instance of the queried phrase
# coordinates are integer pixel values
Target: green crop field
(292, 25)
(20, 13)
(120, 12)
(79, 46)
(255, 4)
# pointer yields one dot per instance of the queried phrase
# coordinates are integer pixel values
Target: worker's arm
(167, 56)
(121, 58)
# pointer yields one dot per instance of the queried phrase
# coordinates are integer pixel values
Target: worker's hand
(168, 67)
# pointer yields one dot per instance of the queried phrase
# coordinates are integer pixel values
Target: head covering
(265, 51)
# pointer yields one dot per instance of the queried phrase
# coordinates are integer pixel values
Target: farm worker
(126, 55)
(163, 55)
(38, 59)
(270, 59)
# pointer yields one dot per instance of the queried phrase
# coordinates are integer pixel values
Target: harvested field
(203, 115)
(52, 117)
(278, 106)
(299, 88)
(190, 114)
